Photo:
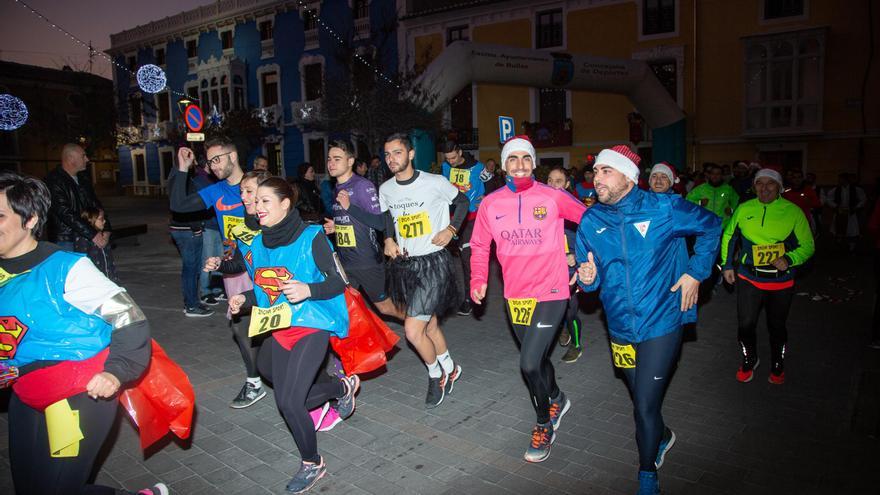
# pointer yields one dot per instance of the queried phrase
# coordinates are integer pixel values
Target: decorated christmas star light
(13, 112)
(215, 117)
(151, 78)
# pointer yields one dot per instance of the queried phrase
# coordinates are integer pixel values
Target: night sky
(27, 39)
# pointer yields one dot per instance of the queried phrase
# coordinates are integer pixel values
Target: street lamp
(182, 103)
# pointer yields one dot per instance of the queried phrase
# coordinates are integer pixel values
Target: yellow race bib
(415, 225)
(522, 310)
(62, 425)
(461, 178)
(624, 355)
(345, 236)
(764, 254)
(268, 319)
(234, 228)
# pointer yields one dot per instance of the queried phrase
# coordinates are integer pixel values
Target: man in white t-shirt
(420, 276)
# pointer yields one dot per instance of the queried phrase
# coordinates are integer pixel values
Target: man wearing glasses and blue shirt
(225, 197)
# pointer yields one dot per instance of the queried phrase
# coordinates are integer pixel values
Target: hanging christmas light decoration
(13, 112)
(151, 78)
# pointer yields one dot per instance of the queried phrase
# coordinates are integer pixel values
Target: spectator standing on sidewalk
(101, 257)
(186, 232)
(71, 193)
(847, 200)
(210, 292)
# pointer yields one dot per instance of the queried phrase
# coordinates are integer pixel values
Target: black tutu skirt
(423, 285)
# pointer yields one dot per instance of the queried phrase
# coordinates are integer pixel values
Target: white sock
(256, 382)
(434, 369)
(446, 362)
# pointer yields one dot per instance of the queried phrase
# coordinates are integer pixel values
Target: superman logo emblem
(11, 332)
(271, 280)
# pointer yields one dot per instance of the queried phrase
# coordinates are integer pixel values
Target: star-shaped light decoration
(216, 118)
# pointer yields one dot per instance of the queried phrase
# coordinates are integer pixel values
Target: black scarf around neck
(284, 232)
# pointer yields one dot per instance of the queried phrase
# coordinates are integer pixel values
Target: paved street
(732, 438)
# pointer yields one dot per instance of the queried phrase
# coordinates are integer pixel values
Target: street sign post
(505, 128)
(193, 118)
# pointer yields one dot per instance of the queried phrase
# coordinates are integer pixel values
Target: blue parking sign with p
(505, 128)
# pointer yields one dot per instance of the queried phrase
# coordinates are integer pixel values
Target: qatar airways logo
(523, 237)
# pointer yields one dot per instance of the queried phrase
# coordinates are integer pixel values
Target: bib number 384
(624, 355)
(268, 319)
(522, 310)
(415, 225)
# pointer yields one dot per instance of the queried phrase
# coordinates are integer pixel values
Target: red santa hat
(622, 159)
(666, 169)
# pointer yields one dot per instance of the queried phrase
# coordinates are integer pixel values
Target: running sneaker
(345, 404)
(331, 419)
(451, 379)
(308, 474)
(558, 408)
(465, 309)
(776, 378)
(572, 354)
(210, 300)
(220, 296)
(157, 489)
(248, 396)
(564, 336)
(318, 415)
(543, 437)
(745, 373)
(436, 391)
(648, 483)
(198, 311)
(666, 443)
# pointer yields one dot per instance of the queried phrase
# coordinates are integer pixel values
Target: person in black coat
(71, 194)
(309, 201)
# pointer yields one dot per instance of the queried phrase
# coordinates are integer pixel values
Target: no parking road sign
(193, 118)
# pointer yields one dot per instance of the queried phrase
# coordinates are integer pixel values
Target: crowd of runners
(643, 245)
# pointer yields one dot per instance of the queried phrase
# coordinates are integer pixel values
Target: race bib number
(415, 225)
(461, 178)
(765, 254)
(234, 228)
(624, 355)
(522, 310)
(345, 236)
(268, 319)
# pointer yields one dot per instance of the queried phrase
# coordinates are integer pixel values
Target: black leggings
(776, 303)
(248, 347)
(647, 384)
(34, 471)
(464, 239)
(535, 340)
(292, 374)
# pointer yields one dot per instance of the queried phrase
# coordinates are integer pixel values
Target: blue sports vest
(37, 324)
(270, 267)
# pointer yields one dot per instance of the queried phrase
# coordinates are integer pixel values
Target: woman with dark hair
(298, 296)
(81, 339)
(309, 203)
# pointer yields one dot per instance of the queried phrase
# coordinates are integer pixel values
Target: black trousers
(535, 340)
(464, 243)
(247, 346)
(292, 374)
(34, 471)
(776, 303)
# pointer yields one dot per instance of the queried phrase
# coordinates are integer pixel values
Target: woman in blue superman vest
(298, 296)
(69, 340)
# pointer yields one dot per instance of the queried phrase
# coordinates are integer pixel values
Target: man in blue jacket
(628, 244)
